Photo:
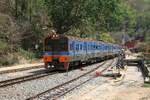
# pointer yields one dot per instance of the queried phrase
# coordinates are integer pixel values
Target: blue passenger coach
(63, 51)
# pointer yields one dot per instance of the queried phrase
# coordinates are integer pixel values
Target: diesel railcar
(60, 51)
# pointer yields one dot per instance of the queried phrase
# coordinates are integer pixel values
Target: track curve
(62, 89)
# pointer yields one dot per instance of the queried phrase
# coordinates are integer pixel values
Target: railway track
(22, 79)
(68, 86)
(20, 69)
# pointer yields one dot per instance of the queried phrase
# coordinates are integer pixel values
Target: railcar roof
(80, 39)
(86, 39)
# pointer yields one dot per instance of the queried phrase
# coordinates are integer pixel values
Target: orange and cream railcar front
(56, 54)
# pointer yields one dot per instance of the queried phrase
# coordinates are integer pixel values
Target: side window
(91, 46)
(105, 47)
(100, 46)
(88, 47)
(96, 47)
(84, 46)
(72, 46)
(77, 46)
(80, 46)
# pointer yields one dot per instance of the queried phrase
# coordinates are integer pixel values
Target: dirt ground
(114, 93)
(130, 87)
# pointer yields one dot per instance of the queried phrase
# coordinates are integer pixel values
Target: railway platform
(21, 67)
(134, 59)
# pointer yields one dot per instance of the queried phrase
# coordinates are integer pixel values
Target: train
(61, 51)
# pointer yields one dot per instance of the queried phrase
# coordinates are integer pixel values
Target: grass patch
(146, 85)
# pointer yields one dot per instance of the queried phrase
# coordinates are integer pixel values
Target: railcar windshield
(56, 45)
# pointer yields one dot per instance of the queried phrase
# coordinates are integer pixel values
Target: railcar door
(72, 48)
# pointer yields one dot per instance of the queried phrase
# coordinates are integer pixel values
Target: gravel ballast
(31, 88)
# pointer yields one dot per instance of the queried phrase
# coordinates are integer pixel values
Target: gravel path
(30, 88)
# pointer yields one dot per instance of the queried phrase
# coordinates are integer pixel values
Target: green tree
(102, 15)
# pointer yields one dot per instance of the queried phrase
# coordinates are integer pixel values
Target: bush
(29, 55)
(8, 60)
(146, 85)
(3, 47)
(106, 37)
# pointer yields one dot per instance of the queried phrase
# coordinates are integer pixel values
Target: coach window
(106, 47)
(80, 46)
(99, 47)
(77, 47)
(84, 46)
(96, 47)
(91, 47)
(71, 46)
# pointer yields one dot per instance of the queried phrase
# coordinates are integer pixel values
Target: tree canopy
(24, 23)
(101, 15)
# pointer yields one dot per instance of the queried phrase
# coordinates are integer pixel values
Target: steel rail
(22, 79)
(81, 83)
(19, 70)
(70, 81)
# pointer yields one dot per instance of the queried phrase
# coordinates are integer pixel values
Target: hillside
(142, 8)
(140, 5)
(24, 23)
